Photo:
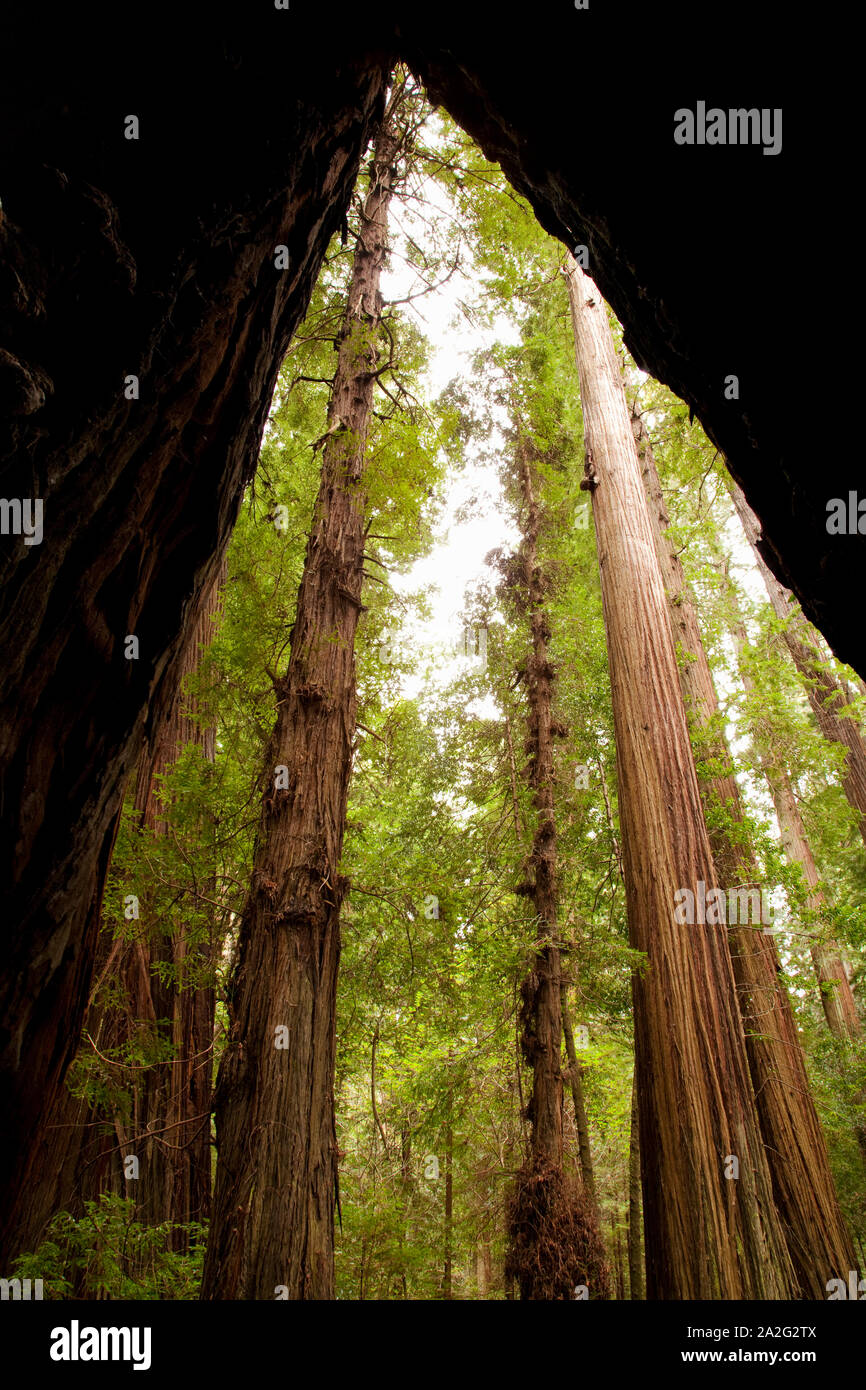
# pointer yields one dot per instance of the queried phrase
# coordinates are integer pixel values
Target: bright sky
(457, 559)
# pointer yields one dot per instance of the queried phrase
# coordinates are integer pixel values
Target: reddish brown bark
(273, 1206)
(814, 1227)
(68, 1137)
(168, 1129)
(79, 1159)
(706, 1237)
(635, 1215)
(156, 257)
(116, 269)
(555, 1241)
(837, 999)
(175, 1102)
(541, 1011)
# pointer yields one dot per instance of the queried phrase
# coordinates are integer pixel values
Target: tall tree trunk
(171, 1118)
(616, 1234)
(837, 999)
(176, 266)
(447, 1269)
(576, 1078)
(541, 993)
(635, 1241)
(805, 1194)
(169, 242)
(55, 1173)
(826, 694)
(273, 1206)
(555, 1241)
(707, 1236)
(169, 1128)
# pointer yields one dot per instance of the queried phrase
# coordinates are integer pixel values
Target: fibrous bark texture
(150, 252)
(541, 1009)
(711, 1229)
(169, 1127)
(273, 1205)
(162, 250)
(635, 1217)
(553, 1220)
(814, 1227)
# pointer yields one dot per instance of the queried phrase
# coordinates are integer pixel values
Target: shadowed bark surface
(706, 1236)
(155, 257)
(78, 1159)
(276, 1178)
(554, 1232)
(815, 1232)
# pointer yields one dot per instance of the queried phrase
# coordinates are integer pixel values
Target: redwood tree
(555, 1242)
(272, 1232)
(250, 138)
(154, 980)
(709, 1234)
(166, 982)
(815, 1230)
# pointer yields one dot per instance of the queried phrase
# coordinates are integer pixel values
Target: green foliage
(107, 1254)
(430, 1088)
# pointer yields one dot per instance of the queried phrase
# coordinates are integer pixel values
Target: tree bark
(273, 1206)
(447, 1269)
(576, 1077)
(168, 242)
(541, 1011)
(706, 1236)
(66, 1137)
(635, 1241)
(153, 258)
(169, 1128)
(837, 999)
(555, 1239)
(616, 1242)
(803, 1185)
